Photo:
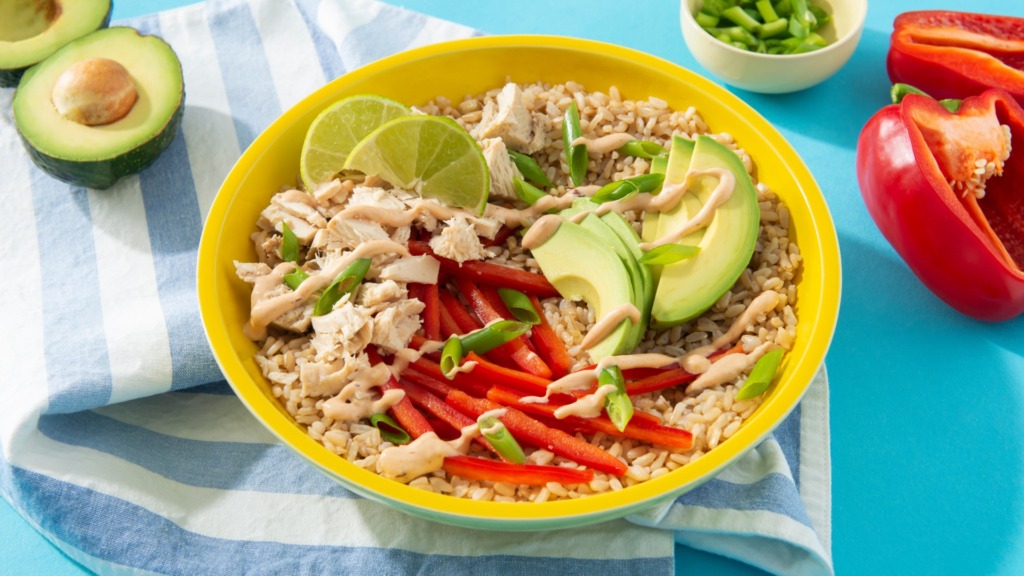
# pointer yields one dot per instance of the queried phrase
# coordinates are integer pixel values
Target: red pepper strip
(490, 274)
(516, 348)
(431, 312)
(448, 325)
(462, 380)
(433, 385)
(641, 426)
(467, 323)
(672, 377)
(532, 474)
(503, 233)
(968, 251)
(957, 54)
(489, 373)
(446, 413)
(528, 430)
(407, 415)
(549, 345)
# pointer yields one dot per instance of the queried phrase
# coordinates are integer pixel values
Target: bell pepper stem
(900, 91)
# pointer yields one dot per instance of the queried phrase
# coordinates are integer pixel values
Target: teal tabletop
(926, 404)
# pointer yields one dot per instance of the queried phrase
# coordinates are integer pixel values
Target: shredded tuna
(458, 241)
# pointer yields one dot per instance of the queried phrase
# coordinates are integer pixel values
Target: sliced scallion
(345, 283)
(390, 430)
(761, 375)
(289, 244)
(527, 192)
(294, 278)
(620, 189)
(643, 149)
(668, 254)
(451, 356)
(501, 439)
(493, 335)
(530, 169)
(519, 305)
(617, 404)
(575, 155)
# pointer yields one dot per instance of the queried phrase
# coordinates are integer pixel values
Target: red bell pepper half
(958, 54)
(964, 241)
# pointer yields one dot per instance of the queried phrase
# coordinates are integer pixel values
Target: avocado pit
(94, 92)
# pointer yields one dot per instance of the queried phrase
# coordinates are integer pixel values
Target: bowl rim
(854, 32)
(522, 516)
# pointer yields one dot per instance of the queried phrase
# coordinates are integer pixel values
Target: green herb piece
(294, 278)
(390, 430)
(527, 192)
(575, 155)
(705, 20)
(289, 244)
(451, 356)
(493, 335)
(643, 149)
(767, 11)
(761, 375)
(345, 283)
(644, 183)
(617, 404)
(519, 305)
(530, 169)
(501, 439)
(668, 254)
(740, 17)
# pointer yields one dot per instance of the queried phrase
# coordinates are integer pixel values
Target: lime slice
(430, 155)
(337, 130)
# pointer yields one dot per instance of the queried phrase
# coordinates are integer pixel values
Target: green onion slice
(575, 156)
(451, 356)
(643, 149)
(668, 254)
(294, 278)
(761, 375)
(527, 192)
(345, 283)
(519, 305)
(617, 404)
(493, 335)
(389, 429)
(289, 244)
(620, 189)
(530, 169)
(504, 443)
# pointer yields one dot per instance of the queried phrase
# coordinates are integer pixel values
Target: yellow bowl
(455, 69)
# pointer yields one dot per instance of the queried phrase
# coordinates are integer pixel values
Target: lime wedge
(430, 155)
(336, 130)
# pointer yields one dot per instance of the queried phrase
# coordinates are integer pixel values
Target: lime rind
(338, 129)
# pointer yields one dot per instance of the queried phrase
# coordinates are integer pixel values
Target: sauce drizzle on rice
(375, 221)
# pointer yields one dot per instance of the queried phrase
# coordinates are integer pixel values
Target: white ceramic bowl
(776, 74)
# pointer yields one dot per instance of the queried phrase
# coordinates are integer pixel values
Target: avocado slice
(32, 30)
(102, 107)
(674, 168)
(581, 266)
(621, 237)
(689, 287)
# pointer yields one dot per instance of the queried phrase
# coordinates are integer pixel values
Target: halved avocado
(102, 107)
(689, 287)
(581, 266)
(32, 30)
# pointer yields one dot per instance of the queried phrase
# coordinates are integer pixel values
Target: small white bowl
(773, 73)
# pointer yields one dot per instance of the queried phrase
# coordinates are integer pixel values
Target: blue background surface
(926, 404)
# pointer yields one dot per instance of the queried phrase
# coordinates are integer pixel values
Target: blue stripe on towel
(367, 43)
(788, 436)
(78, 374)
(326, 51)
(247, 80)
(97, 523)
(221, 465)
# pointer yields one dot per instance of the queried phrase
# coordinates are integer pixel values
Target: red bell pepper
(958, 54)
(968, 250)
(407, 415)
(548, 344)
(532, 474)
(489, 273)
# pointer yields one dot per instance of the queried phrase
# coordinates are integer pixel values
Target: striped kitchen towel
(122, 445)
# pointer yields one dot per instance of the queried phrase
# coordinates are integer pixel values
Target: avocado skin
(9, 77)
(102, 174)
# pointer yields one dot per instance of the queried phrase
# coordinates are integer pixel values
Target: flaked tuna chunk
(394, 326)
(501, 168)
(419, 269)
(328, 378)
(458, 241)
(511, 121)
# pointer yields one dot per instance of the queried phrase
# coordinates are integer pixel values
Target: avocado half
(32, 30)
(91, 154)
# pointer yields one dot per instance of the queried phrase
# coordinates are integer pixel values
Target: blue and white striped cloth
(122, 445)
